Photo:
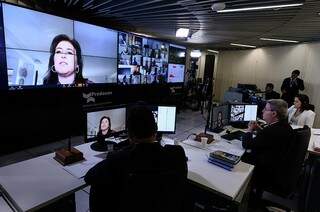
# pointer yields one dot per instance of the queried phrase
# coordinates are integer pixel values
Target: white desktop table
(315, 135)
(37, 182)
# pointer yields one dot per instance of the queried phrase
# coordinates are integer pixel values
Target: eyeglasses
(264, 109)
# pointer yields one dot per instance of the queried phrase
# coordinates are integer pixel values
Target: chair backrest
(153, 191)
(311, 107)
(287, 178)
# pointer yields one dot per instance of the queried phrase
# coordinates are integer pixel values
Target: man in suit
(110, 179)
(290, 87)
(269, 146)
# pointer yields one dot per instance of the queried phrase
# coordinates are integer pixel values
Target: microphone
(36, 78)
(204, 134)
(69, 155)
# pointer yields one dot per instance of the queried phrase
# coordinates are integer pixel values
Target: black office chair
(285, 180)
(153, 191)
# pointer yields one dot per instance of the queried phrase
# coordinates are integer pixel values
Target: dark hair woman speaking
(65, 62)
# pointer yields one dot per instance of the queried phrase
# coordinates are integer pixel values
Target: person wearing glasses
(266, 149)
(65, 62)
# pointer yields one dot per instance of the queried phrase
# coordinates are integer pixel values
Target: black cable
(190, 135)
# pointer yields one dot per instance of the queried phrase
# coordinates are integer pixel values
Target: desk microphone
(69, 155)
(208, 136)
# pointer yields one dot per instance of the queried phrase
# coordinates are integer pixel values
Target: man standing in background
(290, 87)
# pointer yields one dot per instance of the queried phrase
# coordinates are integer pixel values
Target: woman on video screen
(105, 130)
(65, 62)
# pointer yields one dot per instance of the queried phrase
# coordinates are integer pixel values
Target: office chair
(285, 180)
(154, 191)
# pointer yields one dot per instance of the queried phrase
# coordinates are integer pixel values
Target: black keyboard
(233, 135)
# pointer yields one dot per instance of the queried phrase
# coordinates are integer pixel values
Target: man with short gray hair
(270, 143)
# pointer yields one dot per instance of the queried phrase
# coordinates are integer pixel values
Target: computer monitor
(242, 113)
(116, 115)
(219, 117)
(165, 117)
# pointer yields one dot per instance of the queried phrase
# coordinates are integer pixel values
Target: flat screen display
(219, 116)
(111, 120)
(177, 60)
(242, 112)
(44, 50)
(165, 117)
(141, 60)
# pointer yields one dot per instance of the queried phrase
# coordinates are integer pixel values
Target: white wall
(272, 64)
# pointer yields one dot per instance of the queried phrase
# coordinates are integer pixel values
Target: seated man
(270, 93)
(270, 145)
(110, 179)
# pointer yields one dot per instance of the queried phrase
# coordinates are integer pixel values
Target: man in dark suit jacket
(270, 145)
(290, 87)
(110, 178)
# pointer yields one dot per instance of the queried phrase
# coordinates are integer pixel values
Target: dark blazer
(272, 95)
(268, 150)
(108, 178)
(292, 89)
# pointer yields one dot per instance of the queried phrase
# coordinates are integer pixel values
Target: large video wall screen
(46, 50)
(41, 50)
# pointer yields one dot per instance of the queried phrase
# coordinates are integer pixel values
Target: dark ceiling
(161, 18)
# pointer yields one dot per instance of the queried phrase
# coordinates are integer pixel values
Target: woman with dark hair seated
(299, 113)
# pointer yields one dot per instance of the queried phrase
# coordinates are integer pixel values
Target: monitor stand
(217, 130)
(240, 125)
(102, 146)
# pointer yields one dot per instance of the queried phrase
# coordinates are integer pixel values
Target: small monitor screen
(108, 121)
(242, 112)
(219, 116)
(44, 50)
(177, 60)
(165, 117)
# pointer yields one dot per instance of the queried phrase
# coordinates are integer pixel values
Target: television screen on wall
(177, 60)
(43, 50)
(141, 60)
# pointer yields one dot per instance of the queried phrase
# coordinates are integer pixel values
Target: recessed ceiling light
(213, 51)
(280, 40)
(260, 8)
(218, 6)
(182, 33)
(242, 45)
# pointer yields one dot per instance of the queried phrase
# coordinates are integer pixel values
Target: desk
(34, 183)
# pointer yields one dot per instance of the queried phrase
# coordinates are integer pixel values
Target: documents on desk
(234, 147)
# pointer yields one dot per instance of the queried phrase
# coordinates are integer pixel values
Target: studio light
(195, 53)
